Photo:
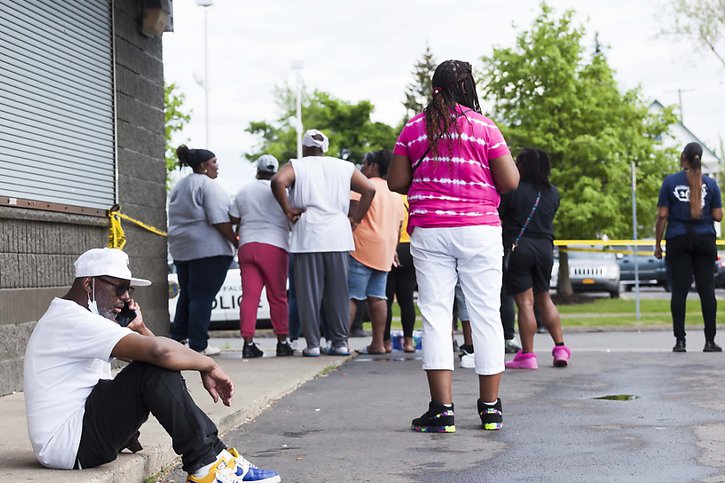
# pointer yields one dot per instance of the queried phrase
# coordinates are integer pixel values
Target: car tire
(628, 288)
(614, 294)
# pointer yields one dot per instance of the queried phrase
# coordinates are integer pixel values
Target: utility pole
(297, 66)
(205, 83)
(679, 100)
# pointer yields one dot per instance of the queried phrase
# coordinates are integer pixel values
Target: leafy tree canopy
(348, 125)
(548, 94)
(701, 20)
(419, 92)
(175, 118)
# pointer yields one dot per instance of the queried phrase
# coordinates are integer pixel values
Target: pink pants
(263, 265)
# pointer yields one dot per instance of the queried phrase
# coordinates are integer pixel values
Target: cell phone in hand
(126, 315)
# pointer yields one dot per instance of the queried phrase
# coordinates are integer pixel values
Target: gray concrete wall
(37, 248)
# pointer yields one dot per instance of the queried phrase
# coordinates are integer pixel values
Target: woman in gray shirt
(202, 244)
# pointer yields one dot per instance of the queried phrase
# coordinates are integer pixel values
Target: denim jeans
(199, 282)
(116, 409)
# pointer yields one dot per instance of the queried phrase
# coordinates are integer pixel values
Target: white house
(678, 136)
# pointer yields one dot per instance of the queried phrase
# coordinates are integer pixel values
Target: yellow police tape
(611, 243)
(116, 236)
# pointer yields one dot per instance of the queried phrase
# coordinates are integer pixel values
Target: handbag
(507, 253)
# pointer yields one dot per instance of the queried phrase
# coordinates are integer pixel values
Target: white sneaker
(468, 361)
(211, 351)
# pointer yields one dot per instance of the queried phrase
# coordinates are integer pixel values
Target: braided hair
(452, 84)
(693, 155)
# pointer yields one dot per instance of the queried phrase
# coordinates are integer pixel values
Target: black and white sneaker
(251, 351)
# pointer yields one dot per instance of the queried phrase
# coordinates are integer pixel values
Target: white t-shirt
(195, 204)
(68, 352)
(322, 185)
(262, 219)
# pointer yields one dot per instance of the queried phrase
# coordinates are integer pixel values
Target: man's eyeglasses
(121, 288)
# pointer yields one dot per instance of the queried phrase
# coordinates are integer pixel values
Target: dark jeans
(401, 284)
(508, 315)
(199, 282)
(687, 256)
(116, 408)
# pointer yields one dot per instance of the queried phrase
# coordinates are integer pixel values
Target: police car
(225, 308)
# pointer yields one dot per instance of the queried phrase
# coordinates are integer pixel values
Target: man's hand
(293, 214)
(218, 385)
(396, 260)
(137, 325)
(658, 252)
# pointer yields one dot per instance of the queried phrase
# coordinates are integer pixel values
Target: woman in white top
(201, 242)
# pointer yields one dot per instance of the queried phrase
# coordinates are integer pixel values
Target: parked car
(591, 271)
(651, 270)
(720, 271)
(225, 309)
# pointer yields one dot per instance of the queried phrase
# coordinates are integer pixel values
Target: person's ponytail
(182, 152)
(693, 155)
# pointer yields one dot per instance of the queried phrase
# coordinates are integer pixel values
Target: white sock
(204, 470)
(490, 403)
(448, 405)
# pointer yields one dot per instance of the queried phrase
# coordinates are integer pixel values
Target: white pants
(471, 254)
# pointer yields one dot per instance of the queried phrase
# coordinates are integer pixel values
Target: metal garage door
(57, 134)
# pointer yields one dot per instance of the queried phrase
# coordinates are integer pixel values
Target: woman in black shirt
(527, 278)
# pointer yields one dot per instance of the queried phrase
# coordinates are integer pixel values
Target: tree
(348, 125)
(548, 94)
(175, 118)
(703, 21)
(419, 92)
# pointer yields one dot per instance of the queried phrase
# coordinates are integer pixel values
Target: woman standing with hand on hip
(454, 164)
(689, 203)
(202, 244)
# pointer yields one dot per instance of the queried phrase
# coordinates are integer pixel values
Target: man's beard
(107, 314)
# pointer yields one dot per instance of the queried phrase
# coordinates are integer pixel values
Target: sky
(366, 50)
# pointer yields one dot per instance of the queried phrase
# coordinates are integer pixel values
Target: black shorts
(530, 266)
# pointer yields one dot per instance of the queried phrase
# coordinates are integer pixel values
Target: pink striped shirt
(455, 188)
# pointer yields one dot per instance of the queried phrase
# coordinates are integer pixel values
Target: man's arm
(281, 182)
(400, 174)
(173, 356)
(662, 213)
(505, 173)
(360, 184)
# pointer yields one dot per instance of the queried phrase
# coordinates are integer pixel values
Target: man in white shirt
(80, 417)
(319, 208)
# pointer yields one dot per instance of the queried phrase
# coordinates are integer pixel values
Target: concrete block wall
(37, 248)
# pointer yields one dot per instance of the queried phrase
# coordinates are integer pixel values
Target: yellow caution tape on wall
(116, 236)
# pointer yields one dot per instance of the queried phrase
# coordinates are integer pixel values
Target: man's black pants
(117, 408)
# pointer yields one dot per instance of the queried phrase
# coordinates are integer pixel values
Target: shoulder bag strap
(526, 223)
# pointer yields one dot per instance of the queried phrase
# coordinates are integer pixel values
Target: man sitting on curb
(80, 417)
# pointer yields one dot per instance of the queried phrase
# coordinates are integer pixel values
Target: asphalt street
(353, 423)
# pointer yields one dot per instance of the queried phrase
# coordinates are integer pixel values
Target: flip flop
(367, 352)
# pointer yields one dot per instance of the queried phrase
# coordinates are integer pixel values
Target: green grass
(604, 312)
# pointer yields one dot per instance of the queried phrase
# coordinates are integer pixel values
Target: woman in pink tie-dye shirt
(454, 164)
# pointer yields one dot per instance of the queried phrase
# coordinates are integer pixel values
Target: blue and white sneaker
(234, 468)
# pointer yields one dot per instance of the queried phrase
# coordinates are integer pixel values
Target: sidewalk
(258, 384)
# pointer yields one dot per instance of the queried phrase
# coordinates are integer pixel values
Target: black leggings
(401, 284)
(116, 408)
(688, 256)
